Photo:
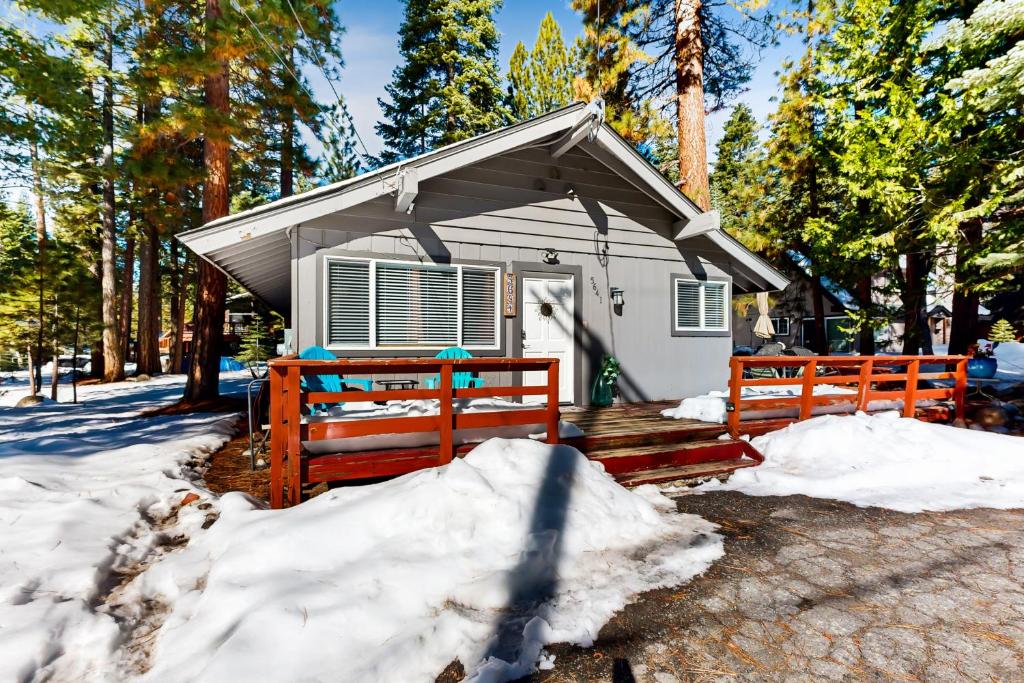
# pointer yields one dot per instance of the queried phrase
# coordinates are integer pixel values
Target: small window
(700, 306)
(381, 304)
(781, 326)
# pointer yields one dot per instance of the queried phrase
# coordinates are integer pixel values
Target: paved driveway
(819, 590)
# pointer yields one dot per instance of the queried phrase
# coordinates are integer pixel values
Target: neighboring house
(549, 238)
(792, 314)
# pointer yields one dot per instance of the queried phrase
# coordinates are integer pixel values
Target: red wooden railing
(858, 371)
(288, 399)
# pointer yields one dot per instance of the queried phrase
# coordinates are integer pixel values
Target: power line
(281, 60)
(327, 78)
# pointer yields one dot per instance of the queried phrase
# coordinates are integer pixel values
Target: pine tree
(542, 80)
(671, 59)
(341, 158)
(1002, 331)
(257, 343)
(448, 87)
(15, 240)
(738, 181)
(609, 59)
(978, 69)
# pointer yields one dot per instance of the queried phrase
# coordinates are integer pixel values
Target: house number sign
(508, 295)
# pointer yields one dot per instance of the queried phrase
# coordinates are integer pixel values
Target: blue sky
(371, 52)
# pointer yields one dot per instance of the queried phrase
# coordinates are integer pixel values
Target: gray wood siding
(510, 209)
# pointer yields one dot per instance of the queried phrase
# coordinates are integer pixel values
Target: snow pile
(365, 409)
(487, 559)
(710, 407)
(77, 498)
(887, 461)
(1010, 361)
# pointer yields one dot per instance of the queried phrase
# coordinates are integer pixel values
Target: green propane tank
(603, 393)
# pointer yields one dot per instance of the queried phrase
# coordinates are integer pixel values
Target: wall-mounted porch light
(550, 256)
(617, 296)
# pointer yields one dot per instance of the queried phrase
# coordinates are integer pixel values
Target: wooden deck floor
(625, 419)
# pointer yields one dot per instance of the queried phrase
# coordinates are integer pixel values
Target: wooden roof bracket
(700, 224)
(586, 128)
(407, 187)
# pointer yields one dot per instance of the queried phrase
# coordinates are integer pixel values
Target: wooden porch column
(735, 381)
(807, 394)
(553, 413)
(910, 397)
(294, 413)
(864, 384)
(277, 438)
(446, 445)
(960, 388)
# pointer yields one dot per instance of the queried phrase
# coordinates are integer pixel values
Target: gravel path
(820, 590)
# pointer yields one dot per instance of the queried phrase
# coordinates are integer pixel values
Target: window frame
(775, 323)
(372, 308)
(703, 329)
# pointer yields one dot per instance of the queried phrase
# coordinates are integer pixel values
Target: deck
(634, 442)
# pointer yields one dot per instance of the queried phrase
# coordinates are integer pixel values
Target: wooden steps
(684, 472)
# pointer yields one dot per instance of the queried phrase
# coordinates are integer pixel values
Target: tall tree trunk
(39, 210)
(96, 356)
(208, 335)
(866, 341)
(113, 357)
(174, 329)
(127, 292)
(915, 276)
(148, 361)
(54, 374)
(178, 350)
(689, 64)
(965, 302)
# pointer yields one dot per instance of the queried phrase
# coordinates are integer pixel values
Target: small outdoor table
(390, 384)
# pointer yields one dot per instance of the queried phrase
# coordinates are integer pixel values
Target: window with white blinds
(347, 321)
(700, 306)
(378, 304)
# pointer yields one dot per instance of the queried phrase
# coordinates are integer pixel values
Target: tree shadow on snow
(534, 581)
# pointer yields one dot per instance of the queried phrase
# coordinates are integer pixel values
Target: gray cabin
(549, 238)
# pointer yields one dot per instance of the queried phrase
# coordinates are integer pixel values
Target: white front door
(548, 326)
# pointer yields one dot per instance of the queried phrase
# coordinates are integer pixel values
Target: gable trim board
(256, 246)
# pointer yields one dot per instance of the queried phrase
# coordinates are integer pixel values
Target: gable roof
(243, 244)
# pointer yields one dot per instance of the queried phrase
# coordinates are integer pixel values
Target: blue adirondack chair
(329, 383)
(460, 380)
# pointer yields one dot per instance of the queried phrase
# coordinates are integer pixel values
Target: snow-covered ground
(82, 490)
(1010, 361)
(105, 576)
(887, 461)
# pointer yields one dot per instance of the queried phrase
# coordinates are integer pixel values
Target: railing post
(807, 391)
(277, 438)
(864, 384)
(960, 388)
(446, 438)
(553, 414)
(909, 396)
(293, 411)
(735, 393)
